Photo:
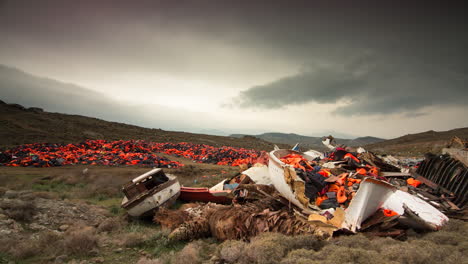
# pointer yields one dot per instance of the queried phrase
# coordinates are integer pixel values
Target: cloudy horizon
(361, 69)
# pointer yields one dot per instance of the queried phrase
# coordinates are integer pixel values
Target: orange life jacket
(389, 213)
(413, 182)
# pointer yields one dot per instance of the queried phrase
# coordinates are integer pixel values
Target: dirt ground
(72, 214)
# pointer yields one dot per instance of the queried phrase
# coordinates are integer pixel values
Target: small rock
(98, 260)
(5, 232)
(63, 228)
(37, 227)
(2, 216)
(60, 259)
(10, 194)
(94, 252)
(118, 250)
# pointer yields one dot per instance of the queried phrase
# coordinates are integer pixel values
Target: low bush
(80, 243)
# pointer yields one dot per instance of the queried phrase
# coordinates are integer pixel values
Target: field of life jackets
(115, 153)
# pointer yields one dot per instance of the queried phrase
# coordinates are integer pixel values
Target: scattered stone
(63, 228)
(98, 260)
(60, 259)
(118, 250)
(5, 232)
(37, 227)
(10, 194)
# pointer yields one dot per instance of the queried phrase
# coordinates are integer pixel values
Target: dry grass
(23, 247)
(197, 252)
(446, 246)
(231, 251)
(190, 253)
(24, 250)
(110, 224)
(80, 243)
(2, 191)
(145, 260)
(18, 247)
(133, 239)
(265, 248)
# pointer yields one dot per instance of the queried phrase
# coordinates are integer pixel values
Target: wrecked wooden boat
(206, 195)
(223, 191)
(284, 178)
(373, 195)
(147, 192)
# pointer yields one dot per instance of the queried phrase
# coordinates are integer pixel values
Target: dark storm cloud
(367, 85)
(376, 60)
(385, 57)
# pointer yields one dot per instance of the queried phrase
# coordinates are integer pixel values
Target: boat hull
(205, 195)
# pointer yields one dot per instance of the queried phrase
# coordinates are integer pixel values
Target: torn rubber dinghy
(147, 192)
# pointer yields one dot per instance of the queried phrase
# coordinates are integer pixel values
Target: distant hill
(420, 143)
(307, 142)
(361, 141)
(20, 125)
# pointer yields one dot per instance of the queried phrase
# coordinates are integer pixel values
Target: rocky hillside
(20, 125)
(419, 143)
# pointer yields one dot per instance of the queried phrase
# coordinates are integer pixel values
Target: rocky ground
(72, 215)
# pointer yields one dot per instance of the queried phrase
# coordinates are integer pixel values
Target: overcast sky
(308, 67)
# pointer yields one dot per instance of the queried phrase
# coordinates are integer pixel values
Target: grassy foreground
(66, 215)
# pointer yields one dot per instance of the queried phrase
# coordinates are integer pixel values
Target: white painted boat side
(141, 177)
(424, 210)
(276, 169)
(374, 194)
(260, 175)
(371, 195)
(219, 186)
(155, 200)
(314, 154)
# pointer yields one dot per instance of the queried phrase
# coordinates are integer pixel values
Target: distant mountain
(214, 132)
(361, 141)
(307, 142)
(419, 143)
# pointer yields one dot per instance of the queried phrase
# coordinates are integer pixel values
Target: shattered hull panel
(374, 194)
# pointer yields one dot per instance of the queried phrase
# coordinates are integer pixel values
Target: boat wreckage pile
(115, 153)
(325, 194)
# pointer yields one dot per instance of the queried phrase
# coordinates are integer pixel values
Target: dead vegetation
(446, 246)
(81, 242)
(117, 240)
